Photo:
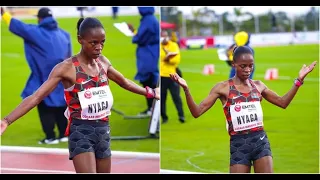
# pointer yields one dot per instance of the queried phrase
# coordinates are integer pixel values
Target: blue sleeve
(141, 38)
(23, 30)
(69, 46)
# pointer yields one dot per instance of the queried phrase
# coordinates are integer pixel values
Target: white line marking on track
(188, 160)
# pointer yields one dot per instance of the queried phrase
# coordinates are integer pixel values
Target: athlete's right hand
(305, 70)
(176, 78)
(4, 126)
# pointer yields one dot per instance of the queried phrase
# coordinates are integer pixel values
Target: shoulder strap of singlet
(102, 71)
(76, 63)
(231, 83)
(252, 84)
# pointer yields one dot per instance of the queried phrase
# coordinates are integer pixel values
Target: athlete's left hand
(3, 126)
(305, 70)
(157, 96)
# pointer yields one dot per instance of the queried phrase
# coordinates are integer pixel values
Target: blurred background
(283, 39)
(225, 20)
(118, 49)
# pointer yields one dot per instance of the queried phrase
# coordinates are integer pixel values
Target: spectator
(45, 45)
(147, 53)
(169, 61)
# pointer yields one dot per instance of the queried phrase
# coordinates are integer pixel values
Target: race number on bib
(95, 102)
(246, 115)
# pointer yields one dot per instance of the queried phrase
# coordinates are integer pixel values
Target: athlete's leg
(104, 165)
(82, 140)
(85, 162)
(262, 159)
(240, 168)
(102, 148)
(240, 153)
(263, 165)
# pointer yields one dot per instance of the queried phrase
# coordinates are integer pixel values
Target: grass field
(202, 144)
(118, 49)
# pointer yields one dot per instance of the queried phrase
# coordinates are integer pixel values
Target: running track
(15, 160)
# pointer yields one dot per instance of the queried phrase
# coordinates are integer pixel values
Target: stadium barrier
(28, 12)
(261, 39)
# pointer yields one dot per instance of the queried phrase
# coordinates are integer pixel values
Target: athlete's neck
(238, 81)
(85, 59)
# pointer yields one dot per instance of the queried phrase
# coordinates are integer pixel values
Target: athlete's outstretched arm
(31, 101)
(127, 84)
(284, 101)
(207, 103)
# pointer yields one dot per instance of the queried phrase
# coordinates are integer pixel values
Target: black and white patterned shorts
(89, 136)
(244, 149)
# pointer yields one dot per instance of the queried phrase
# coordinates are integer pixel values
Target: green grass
(202, 144)
(118, 49)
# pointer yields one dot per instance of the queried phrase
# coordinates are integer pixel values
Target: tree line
(205, 21)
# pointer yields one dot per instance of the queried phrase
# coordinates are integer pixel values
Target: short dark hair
(84, 24)
(44, 12)
(239, 50)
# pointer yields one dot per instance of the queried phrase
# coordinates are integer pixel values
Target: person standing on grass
(147, 38)
(241, 97)
(45, 45)
(85, 78)
(170, 58)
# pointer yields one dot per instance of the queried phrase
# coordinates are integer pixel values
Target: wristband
(297, 82)
(7, 121)
(150, 92)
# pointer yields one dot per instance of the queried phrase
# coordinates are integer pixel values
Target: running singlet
(90, 98)
(243, 110)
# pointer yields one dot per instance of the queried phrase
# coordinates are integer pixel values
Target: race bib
(246, 115)
(95, 102)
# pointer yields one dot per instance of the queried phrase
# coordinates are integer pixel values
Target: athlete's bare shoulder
(67, 64)
(105, 60)
(222, 84)
(260, 85)
(221, 87)
(64, 67)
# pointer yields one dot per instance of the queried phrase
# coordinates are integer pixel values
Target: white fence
(71, 11)
(269, 39)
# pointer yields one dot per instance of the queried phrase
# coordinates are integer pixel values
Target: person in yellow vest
(175, 38)
(241, 38)
(169, 61)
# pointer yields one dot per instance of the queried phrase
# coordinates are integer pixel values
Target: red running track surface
(15, 163)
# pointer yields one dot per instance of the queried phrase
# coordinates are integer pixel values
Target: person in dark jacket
(147, 38)
(45, 45)
(81, 9)
(115, 10)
